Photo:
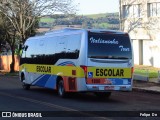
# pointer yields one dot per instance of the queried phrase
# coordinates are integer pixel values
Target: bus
(78, 60)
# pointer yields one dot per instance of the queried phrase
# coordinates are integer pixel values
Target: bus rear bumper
(109, 87)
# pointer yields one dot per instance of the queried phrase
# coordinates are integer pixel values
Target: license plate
(109, 88)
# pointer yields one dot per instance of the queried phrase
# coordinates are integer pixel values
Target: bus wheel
(24, 85)
(61, 90)
(103, 95)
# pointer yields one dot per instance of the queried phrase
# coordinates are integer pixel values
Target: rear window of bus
(104, 45)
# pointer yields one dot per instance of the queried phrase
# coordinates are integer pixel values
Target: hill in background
(97, 21)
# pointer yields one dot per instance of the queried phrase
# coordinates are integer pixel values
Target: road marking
(54, 106)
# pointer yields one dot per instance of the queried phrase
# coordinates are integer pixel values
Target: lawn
(150, 71)
(101, 25)
(96, 16)
(47, 20)
(102, 15)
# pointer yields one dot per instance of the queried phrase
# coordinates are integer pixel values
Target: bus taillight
(84, 69)
(132, 70)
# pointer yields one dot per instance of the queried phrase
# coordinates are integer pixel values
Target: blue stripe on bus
(42, 81)
(51, 82)
(66, 63)
(48, 81)
(33, 83)
(119, 81)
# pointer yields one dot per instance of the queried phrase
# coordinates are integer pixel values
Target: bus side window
(73, 46)
(40, 53)
(51, 50)
(61, 48)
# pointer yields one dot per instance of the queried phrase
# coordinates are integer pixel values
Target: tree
(1, 39)
(22, 16)
(8, 36)
(23, 13)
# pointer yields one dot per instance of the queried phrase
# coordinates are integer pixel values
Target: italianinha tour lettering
(101, 41)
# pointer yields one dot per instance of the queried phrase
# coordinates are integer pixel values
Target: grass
(95, 16)
(150, 71)
(101, 25)
(100, 15)
(46, 20)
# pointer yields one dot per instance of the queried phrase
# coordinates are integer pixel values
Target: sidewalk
(145, 86)
(142, 82)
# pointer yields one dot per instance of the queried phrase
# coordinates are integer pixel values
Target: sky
(96, 6)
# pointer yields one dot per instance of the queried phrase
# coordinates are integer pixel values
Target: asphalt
(141, 86)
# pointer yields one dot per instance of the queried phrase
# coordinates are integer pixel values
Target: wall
(144, 31)
(5, 62)
(151, 51)
(136, 51)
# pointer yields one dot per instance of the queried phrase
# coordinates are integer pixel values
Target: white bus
(78, 60)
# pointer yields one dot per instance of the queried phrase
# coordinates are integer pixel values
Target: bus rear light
(126, 34)
(84, 69)
(132, 70)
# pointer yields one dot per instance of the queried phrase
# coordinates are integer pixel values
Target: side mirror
(25, 48)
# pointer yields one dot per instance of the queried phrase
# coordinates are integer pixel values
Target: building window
(132, 11)
(154, 9)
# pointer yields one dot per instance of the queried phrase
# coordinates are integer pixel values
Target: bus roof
(65, 30)
(73, 30)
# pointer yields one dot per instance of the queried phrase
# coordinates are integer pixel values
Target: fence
(5, 61)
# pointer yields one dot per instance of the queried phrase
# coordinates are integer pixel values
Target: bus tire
(103, 95)
(24, 85)
(61, 89)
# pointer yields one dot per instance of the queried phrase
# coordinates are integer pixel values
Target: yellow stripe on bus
(97, 72)
(54, 70)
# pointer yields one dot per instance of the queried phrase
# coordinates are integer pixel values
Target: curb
(141, 77)
(145, 90)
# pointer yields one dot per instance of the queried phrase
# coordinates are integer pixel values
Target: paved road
(14, 98)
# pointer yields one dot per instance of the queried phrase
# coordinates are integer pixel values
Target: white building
(141, 19)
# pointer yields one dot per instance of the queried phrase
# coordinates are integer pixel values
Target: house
(141, 19)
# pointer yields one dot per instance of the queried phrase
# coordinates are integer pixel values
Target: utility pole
(120, 14)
